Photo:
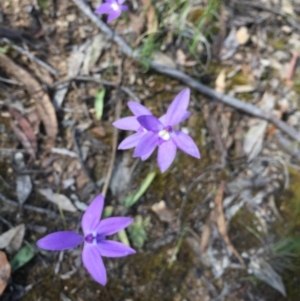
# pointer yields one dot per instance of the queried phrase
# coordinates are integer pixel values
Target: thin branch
(104, 82)
(28, 207)
(272, 10)
(188, 80)
(32, 57)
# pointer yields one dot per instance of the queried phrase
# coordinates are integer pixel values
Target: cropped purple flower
(95, 243)
(131, 124)
(162, 133)
(113, 8)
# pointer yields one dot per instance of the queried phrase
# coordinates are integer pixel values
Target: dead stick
(221, 222)
(188, 80)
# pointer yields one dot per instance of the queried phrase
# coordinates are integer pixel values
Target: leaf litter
(258, 61)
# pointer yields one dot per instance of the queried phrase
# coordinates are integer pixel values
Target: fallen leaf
(24, 185)
(205, 236)
(291, 70)
(95, 49)
(137, 24)
(13, 238)
(152, 23)
(253, 141)
(163, 213)
(163, 59)
(230, 45)
(43, 103)
(59, 199)
(5, 271)
(24, 132)
(221, 222)
(242, 35)
(220, 83)
(263, 271)
(99, 104)
(287, 7)
(180, 57)
(254, 138)
(22, 257)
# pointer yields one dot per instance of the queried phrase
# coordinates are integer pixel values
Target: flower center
(115, 6)
(165, 134)
(93, 238)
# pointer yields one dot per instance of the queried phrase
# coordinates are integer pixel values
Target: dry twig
(221, 222)
(32, 57)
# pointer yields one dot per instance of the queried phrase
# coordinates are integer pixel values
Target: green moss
(279, 43)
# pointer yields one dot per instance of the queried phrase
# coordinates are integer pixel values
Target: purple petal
(114, 15)
(150, 123)
(178, 107)
(104, 8)
(113, 225)
(166, 155)
(146, 156)
(163, 118)
(127, 124)
(91, 217)
(109, 248)
(61, 240)
(91, 258)
(121, 1)
(138, 109)
(124, 7)
(147, 144)
(185, 143)
(186, 115)
(131, 141)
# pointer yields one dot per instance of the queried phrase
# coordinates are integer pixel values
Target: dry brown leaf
(42, 100)
(13, 238)
(163, 213)
(221, 222)
(242, 35)
(95, 49)
(180, 57)
(287, 7)
(163, 59)
(137, 23)
(59, 199)
(24, 132)
(291, 70)
(220, 83)
(152, 23)
(205, 236)
(5, 271)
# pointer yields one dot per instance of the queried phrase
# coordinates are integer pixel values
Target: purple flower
(95, 244)
(111, 7)
(131, 124)
(162, 132)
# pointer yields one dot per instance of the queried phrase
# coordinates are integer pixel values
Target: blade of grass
(99, 100)
(132, 199)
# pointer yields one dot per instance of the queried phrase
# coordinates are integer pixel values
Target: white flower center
(94, 233)
(115, 6)
(164, 134)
